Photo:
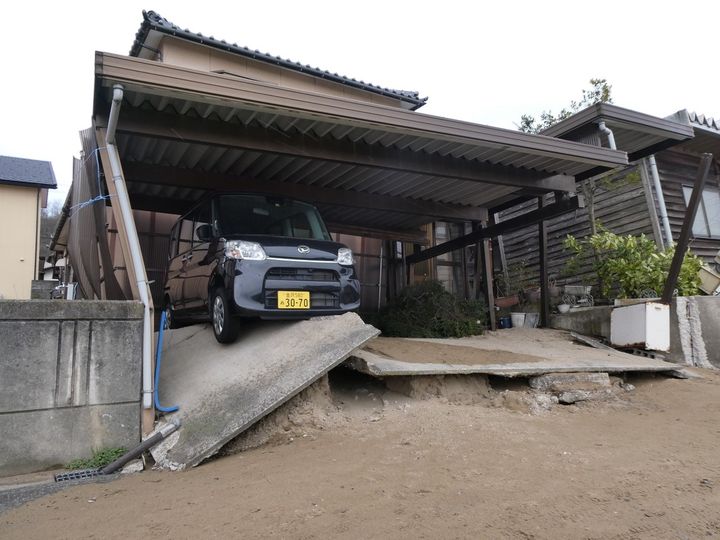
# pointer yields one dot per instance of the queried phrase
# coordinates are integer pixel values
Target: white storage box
(641, 326)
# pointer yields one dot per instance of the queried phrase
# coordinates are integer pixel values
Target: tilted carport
(373, 170)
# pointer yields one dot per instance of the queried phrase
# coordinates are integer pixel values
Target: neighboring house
(678, 168)
(632, 206)
(24, 185)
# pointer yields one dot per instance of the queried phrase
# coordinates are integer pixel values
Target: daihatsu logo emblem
(303, 249)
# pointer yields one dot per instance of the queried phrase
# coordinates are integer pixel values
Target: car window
(253, 214)
(299, 226)
(185, 237)
(174, 241)
(201, 217)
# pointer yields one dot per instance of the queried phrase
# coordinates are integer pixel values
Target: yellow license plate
(293, 300)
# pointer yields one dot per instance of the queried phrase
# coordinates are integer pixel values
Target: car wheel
(169, 315)
(225, 326)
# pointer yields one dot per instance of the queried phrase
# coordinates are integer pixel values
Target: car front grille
(302, 274)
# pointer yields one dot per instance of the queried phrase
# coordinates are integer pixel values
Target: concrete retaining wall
(694, 325)
(70, 375)
(41, 289)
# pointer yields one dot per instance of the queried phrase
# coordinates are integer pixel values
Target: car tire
(169, 315)
(225, 326)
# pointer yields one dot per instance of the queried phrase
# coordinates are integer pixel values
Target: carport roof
(364, 163)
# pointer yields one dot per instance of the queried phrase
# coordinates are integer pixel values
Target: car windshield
(254, 214)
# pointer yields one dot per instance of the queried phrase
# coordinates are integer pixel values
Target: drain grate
(78, 475)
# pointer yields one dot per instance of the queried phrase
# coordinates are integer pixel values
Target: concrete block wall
(694, 324)
(70, 380)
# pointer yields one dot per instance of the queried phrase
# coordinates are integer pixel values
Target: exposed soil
(371, 463)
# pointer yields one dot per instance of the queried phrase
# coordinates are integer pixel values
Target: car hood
(287, 248)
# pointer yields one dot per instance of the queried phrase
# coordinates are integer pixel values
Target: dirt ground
(358, 461)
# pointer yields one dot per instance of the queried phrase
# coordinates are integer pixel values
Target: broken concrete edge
(685, 373)
(561, 382)
(159, 452)
(377, 366)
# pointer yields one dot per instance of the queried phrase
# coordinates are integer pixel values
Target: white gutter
(136, 259)
(607, 131)
(660, 199)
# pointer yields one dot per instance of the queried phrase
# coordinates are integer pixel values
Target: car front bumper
(334, 289)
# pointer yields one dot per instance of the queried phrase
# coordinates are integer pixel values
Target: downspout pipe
(607, 131)
(136, 259)
(660, 199)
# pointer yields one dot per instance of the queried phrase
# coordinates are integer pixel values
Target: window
(707, 219)
(173, 240)
(186, 234)
(254, 214)
(201, 217)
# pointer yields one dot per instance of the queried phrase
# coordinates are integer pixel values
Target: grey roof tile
(28, 172)
(153, 21)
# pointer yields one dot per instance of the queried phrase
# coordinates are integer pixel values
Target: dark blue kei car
(238, 255)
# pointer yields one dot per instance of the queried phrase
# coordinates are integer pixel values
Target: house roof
(704, 122)
(27, 172)
(706, 129)
(636, 133)
(154, 22)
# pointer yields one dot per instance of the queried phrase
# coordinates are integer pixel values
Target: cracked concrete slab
(521, 352)
(224, 389)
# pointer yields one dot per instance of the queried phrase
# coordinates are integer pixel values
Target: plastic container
(517, 319)
(504, 322)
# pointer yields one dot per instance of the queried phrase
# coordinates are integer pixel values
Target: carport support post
(544, 297)
(147, 415)
(682, 243)
(487, 275)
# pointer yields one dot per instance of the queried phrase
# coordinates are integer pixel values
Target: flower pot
(504, 322)
(517, 319)
(507, 301)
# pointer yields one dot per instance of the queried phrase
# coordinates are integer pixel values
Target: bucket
(518, 319)
(504, 322)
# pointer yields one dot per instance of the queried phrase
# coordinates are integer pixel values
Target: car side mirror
(203, 233)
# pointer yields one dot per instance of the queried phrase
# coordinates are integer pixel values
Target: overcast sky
(486, 62)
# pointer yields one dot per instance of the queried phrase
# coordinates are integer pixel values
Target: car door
(178, 265)
(199, 261)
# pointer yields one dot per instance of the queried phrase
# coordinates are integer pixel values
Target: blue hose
(158, 356)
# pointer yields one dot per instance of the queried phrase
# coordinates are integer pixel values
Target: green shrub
(427, 310)
(633, 264)
(100, 458)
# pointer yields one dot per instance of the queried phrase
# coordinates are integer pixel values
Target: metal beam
(171, 176)
(212, 132)
(682, 243)
(543, 251)
(520, 222)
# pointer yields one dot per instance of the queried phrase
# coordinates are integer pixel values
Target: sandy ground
(363, 462)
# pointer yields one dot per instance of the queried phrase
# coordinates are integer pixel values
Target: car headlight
(345, 257)
(249, 251)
